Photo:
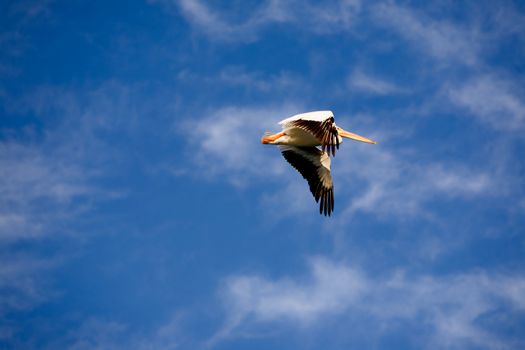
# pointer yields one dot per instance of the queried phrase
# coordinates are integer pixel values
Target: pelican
(298, 142)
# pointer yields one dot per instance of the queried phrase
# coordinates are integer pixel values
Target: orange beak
(349, 135)
(266, 139)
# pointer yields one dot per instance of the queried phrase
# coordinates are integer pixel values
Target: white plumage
(316, 116)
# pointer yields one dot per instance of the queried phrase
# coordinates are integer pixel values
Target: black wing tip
(326, 206)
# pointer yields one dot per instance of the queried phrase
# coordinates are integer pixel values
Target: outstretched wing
(314, 166)
(320, 124)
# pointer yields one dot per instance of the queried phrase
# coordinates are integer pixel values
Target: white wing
(314, 166)
(317, 116)
(320, 124)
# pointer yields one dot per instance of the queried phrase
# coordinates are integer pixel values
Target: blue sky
(138, 209)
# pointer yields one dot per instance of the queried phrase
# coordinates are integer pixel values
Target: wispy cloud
(441, 39)
(464, 48)
(23, 281)
(254, 80)
(361, 81)
(250, 298)
(328, 289)
(236, 76)
(50, 179)
(291, 186)
(450, 305)
(394, 186)
(329, 17)
(491, 99)
(14, 40)
(51, 176)
(30, 8)
(100, 333)
(226, 140)
(31, 178)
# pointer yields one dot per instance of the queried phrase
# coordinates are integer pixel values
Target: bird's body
(298, 140)
(297, 137)
(299, 134)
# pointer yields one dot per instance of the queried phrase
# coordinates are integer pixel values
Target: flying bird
(298, 142)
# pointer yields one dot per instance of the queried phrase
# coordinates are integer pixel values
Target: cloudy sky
(138, 209)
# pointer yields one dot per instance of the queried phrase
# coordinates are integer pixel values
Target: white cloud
(440, 39)
(96, 333)
(28, 9)
(244, 26)
(361, 81)
(23, 281)
(465, 48)
(202, 17)
(35, 185)
(324, 18)
(254, 80)
(50, 179)
(292, 187)
(330, 287)
(227, 142)
(450, 305)
(396, 183)
(14, 38)
(328, 290)
(493, 100)
(235, 76)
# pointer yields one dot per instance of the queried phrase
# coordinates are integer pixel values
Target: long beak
(269, 138)
(356, 137)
